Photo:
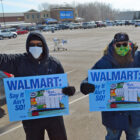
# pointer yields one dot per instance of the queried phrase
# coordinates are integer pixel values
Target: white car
(7, 34)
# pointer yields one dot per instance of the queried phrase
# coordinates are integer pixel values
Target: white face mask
(35, 51)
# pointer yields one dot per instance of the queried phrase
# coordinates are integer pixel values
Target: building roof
(11, 14)
(32, 11)
(60, 8)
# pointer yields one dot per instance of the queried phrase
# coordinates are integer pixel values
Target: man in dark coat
(37, 61)
(119, 54)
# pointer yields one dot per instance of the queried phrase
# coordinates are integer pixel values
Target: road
(85, 47)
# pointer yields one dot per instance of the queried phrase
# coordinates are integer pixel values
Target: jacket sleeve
(137, 59)
(8, 62)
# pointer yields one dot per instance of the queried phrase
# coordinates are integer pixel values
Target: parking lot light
(3, 12)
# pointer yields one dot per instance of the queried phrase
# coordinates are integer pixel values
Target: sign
(36, 96)
(115, 89)
(66, 15)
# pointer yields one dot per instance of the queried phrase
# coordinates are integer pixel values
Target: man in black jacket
(37, 61)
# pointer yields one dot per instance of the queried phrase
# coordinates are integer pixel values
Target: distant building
(11, 17)
(44, 14)
(127, 15)
(55, 15)
(63, 14)
(34, 16)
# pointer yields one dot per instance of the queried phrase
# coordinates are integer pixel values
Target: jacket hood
(45, 47)
(109, 51)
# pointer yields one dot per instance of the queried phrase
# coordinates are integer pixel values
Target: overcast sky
(25, 5)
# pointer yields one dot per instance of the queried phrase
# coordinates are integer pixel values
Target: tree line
(88, 11)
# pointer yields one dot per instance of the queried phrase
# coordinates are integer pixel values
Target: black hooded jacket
(25, 65)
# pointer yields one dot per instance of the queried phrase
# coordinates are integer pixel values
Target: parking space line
(71, 71)
(76, 100)
(10, 130)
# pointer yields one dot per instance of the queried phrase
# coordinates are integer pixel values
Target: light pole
(3, 13)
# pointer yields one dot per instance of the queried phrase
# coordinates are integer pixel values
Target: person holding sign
(120, 53)
(37, 61)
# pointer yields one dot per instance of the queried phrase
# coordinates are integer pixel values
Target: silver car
(7, 34)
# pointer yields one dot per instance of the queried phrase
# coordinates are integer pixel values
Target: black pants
(35, 129)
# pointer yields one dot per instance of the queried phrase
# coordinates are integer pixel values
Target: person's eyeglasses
(37, 44)
(123, 44)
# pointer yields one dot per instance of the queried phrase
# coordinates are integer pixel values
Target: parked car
(100, 24)
(137, 23)
(88, 25)
(75, 26)
(7, 34)
(19, 32)
(109, 23)
(48, 28)
(31, 28)
(63, 26)
(12, 29)
(119, 22)
(128, 22)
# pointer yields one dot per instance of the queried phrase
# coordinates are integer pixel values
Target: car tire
(14, 36)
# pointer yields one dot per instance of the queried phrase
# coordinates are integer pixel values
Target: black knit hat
(121, 37)
(34, 37)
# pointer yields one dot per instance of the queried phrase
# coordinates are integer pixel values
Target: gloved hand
(87, 88)
(70, 90)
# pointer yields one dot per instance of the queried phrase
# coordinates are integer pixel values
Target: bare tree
(44, 6)
(96, 11)
(88, 11)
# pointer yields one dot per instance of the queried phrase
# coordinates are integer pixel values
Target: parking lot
(84, 48)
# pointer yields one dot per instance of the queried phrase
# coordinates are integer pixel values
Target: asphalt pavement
(85, 47)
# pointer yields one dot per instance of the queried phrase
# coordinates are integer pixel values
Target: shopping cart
(59, 44)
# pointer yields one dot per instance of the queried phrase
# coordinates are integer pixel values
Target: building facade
(34, 16)
(127, 15)
(63, 14)
(11, 17)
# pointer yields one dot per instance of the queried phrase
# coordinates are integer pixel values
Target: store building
(63, 14)
(11, 17)
(34, 16)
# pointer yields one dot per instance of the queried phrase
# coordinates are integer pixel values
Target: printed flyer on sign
(36, 97)
(115, 89)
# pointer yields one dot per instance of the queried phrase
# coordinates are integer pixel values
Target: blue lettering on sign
(20, 85)
(100, 97)
(95, 76)
(26, 84)
(19, 107)
(43, 83)
(12, 85)
(136, 74)
(129, 75)
(34, 83)
(66, 15)
(115, 75)
(123, 75)
(103, 77)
